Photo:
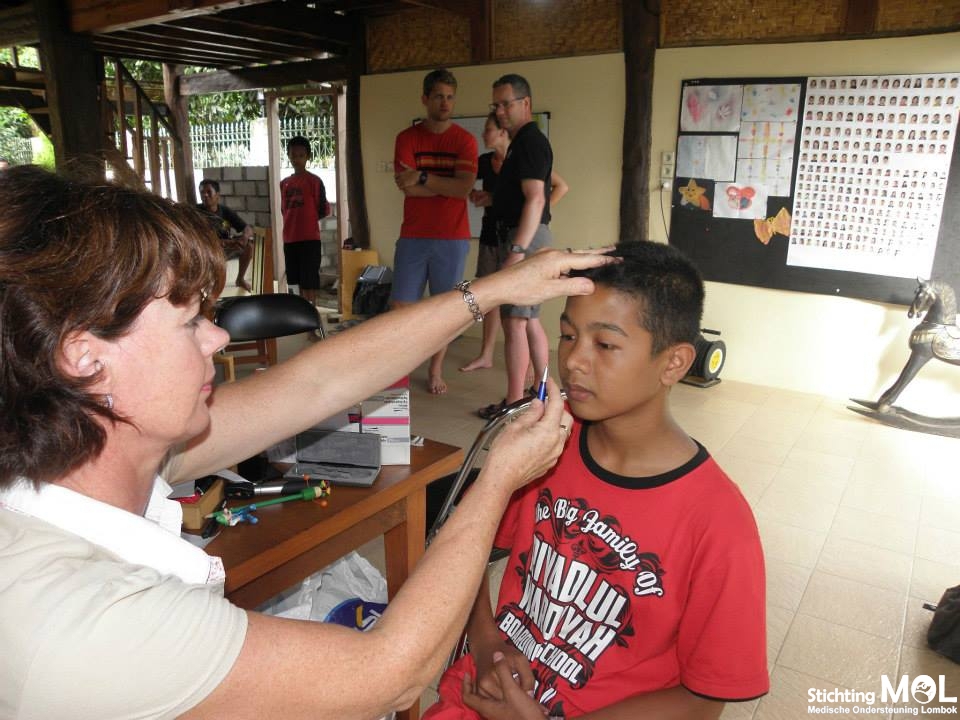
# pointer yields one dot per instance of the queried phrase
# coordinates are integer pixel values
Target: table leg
(403, 546)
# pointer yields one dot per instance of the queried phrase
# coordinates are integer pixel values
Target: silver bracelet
(470, 299)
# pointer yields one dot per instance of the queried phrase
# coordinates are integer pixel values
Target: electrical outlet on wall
(666, 165)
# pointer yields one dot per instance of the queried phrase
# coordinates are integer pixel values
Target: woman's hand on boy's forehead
(542, 276)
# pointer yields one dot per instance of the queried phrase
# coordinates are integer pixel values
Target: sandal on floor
(492, 410)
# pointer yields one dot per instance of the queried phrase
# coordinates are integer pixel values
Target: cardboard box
(194, 513)
(387, 413)
(344, 421)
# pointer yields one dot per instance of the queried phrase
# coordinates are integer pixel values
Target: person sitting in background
(635, 583)
(223, 220)
(107, 395)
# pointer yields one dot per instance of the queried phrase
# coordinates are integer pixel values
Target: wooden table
(293, 540)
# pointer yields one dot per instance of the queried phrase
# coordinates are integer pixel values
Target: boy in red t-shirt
(303, 201)
(635, 582)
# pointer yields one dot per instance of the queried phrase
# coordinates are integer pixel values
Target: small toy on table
(245, 513)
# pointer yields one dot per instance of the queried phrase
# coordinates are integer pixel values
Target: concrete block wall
(247, 191)
(244, 190)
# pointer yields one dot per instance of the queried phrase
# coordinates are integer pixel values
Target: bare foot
(481, 363)
(242, 283)
(436, 385)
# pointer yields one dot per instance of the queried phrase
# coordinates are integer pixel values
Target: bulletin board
(844, 185)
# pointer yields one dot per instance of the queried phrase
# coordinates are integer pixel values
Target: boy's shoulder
(306, 175)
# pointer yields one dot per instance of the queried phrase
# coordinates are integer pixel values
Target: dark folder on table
(342, 458)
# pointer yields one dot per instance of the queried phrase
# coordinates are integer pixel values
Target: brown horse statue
(937, 336)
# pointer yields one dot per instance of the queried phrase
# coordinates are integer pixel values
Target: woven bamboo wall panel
(893, 15)
(417, 39)
(685, 23)
(524, 29)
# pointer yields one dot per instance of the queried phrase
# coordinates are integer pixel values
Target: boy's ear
(679, 359)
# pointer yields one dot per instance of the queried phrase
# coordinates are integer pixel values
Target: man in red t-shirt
(635, 582)
(436, 165)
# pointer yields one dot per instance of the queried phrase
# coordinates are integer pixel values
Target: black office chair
(254, 321)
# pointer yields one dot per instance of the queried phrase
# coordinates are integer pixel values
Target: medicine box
(344, 421)
(387, 413)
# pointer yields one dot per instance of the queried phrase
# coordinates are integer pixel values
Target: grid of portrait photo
(874, 156)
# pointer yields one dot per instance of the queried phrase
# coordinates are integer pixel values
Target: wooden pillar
(481, 31)
(640, 36)
(73, 72)
(359, 222)
(182, 152)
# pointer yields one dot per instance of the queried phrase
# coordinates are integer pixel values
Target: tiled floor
(860, 524)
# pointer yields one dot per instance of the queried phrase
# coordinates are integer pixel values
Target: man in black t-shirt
(522, 204)
(223, 220)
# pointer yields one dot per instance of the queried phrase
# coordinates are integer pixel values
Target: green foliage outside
(16, 125)
(228, 107)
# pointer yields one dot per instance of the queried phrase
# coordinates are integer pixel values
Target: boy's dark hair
(300, 141)
(664, 281)
(438, 76)
(518, 83)
(212, 183)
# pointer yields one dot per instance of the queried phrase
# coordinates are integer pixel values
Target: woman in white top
(106, 392)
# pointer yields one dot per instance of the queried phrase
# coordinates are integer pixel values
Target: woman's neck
(116, 477)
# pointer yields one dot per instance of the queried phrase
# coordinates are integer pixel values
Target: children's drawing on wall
(766, 228)
(711, 108)
(694, 196)
(707, 156)
(767, 140)
(874, 159)
(739, 200)
(765, 154)
(775, 101)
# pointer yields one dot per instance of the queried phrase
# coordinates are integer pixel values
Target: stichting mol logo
(923, 690)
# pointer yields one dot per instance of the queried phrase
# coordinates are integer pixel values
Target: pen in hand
(542, 390)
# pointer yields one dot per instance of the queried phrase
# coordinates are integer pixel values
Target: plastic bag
(350, 592)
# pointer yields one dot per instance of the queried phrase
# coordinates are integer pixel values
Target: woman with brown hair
(106, 394)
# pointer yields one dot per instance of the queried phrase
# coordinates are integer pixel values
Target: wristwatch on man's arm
(422, 180)
(518, 249)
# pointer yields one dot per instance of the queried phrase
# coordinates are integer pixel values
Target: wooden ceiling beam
(166, 54)
(21, 79)
(466, 8)
(310, 23)
(18, 26)
(269, 76)
(22, 99)
(163, 35)
(98, 16)
(242, 31)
